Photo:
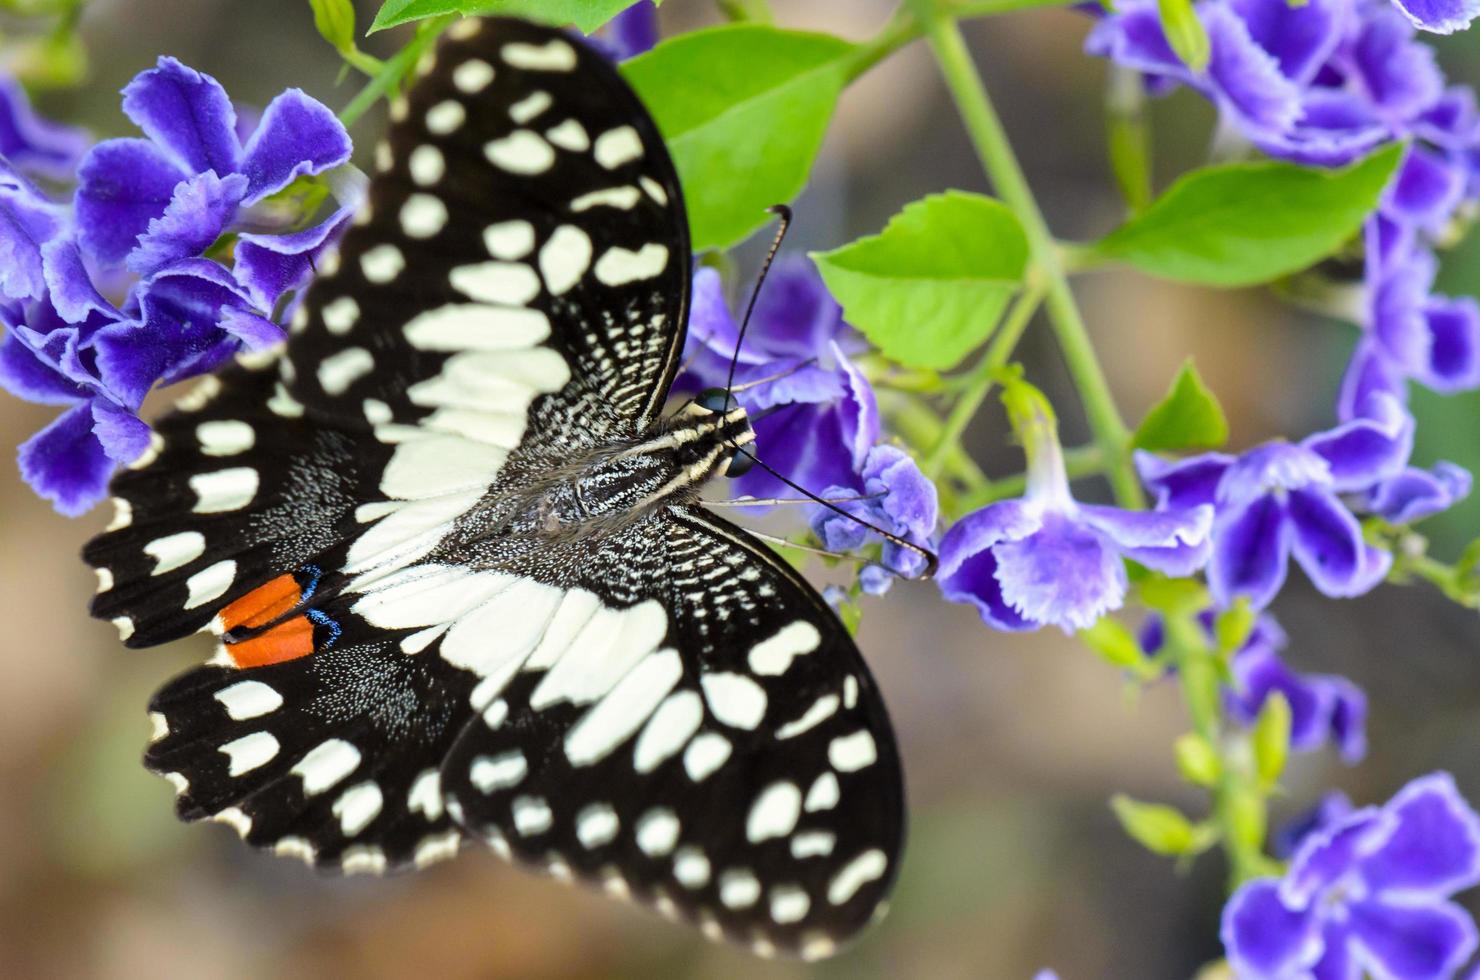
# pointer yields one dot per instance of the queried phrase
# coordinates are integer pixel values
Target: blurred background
(1012, 744)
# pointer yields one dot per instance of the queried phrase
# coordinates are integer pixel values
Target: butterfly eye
(713, 399)
(738, 465)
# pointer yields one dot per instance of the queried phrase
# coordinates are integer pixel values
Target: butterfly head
(733, 430)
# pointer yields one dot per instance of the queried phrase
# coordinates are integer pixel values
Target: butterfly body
(455, 556)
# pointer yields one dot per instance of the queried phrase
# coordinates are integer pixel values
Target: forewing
(710, 742)
(515, 288)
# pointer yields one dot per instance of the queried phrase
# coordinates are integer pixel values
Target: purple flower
(28, 221)
(1046, 559)
(1333, 808)
(631, 32)
(154, 201)
(814, 412)
(900, 499)
(1323, 707)
(1280, 499)
(35, 145)
(1368, 893)
(1415, 493)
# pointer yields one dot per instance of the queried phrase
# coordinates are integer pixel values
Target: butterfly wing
(707, 740)
(515, 287)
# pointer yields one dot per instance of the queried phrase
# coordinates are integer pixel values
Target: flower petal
(298, 135)
(968, 569)
(1333, 809)
(187, 113)
(633, 31)
(1415, 494)
(1068, 574)
(1251, 550)
(1301, 38)
(910, 501)
(122, 186)
(1348, 719)
(1336, 128)
(271, 265)
(34, 144)
(1454, 343)
(1400, 75)
(65, 463)
(27, 222)
(1244, 78)
(795, 315)
(70, 287)
(1328, 855)
(1263, 937)
(807, 443)
(199, 211)
(1434, 850)
(1328, 543)
(1258, 673)
(121, 433)
(1427, 942)
(1370, 373)
(1337, 961)
(26, 374)
(1182, 483)
(255, 332)
(1440, 16)
(1133, 37)
(1365, 450)
(1425, 191)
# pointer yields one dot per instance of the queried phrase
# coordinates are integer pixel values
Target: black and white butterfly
(455, 558)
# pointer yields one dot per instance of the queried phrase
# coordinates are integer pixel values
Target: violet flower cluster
(128, 284)
(1368, 892)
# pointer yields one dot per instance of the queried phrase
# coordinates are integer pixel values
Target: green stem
(1002, 167)
(919, 426)
(901, 30)
(990, 8)
(982, 375)
(395, 69)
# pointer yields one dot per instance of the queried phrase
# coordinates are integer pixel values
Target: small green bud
(335, 20)
(1185, 33)
(1160, 829)
(1117, 646)
(1271, 738)
(1197, 761)
(1234, 626)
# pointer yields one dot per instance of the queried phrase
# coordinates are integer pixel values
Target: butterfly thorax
(611, 486)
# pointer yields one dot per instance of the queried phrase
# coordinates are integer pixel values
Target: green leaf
(1160, 829)
(335, 20)
(1189, 417)
(1185, 33)
(1247, 223)
(1233, 627)
(1196, 760)
(931, 286)
(588, 15)
(743, 108)
(1271, 738)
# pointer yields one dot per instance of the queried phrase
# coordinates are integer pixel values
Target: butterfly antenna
(784, 214)
(932, 562)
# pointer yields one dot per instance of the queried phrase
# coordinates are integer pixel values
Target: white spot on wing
(771, 657)
(863, 869)
(619, 266)
(569, 135)
(530, 106)
(423, 216)
(531, 815)
(554, 55)
(445, 117)
(175, 551)
(338, 371)
(668, 730)
(565, 258)
(738, 889)
(789, 904)
(705, 754)
(623, 198)
(248, 699)
(735, 699)
(850, 752)
(224, 490)
(657, 832)
(824, 793)
(357, 806)
(511, 283)
(225, 437)
(774, 813)
(691, 867)
(501, 771)
(477, 326)
(325, 765)
(618, 146)
(596, 825)
(250, 752)
(382, 263)
(821, 709)
(210, 583)
(427, 165)
(613, 719)
(812, 843)
(425, 796)
(509, 240)
(472, 76)
(521, 152)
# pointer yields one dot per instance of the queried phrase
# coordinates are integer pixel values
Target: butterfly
(453, 550)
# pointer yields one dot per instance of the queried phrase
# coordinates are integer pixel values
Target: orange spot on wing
(263, 604)
(288, 640)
